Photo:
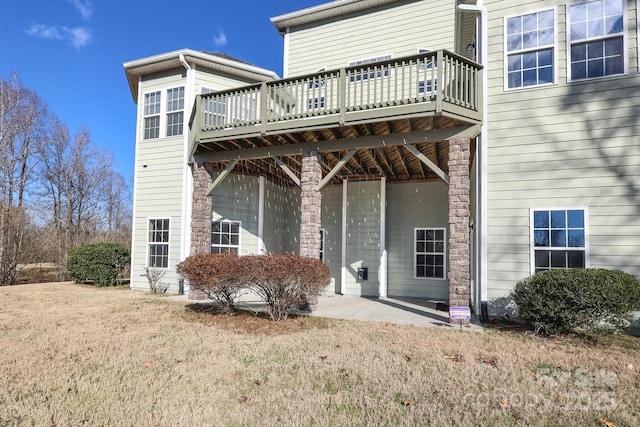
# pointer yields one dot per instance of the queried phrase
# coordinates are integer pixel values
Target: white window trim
(585, 209)
(625, 44)
(148, 116)
(146, 258)
(505, 68)
(168, 112)
(162, 133)
(444, 253)
(211, 245)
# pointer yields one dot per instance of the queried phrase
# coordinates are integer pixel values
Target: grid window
(369, 69)
(597, 38)
(559, 239)
(158, 243)
(430, 253)
(152, 115)
(316, 103)
(225, 236)
(175, 115)
(530, 49)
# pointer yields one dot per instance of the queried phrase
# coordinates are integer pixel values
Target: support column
(311, 205)
(459, 250)
(201, 214)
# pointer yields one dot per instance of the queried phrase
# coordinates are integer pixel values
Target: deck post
(459, 249)
(310, 205)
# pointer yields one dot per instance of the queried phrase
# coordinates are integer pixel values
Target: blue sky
(71, 52)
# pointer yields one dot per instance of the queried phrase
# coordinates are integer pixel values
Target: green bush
(221, 277)
(563, 301)
(101, 263)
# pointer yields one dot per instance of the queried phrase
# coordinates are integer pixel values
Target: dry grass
(76, 355)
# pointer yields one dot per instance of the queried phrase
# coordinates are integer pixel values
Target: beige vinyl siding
(205, 79)
(281, 219)
(159, 179)
(561, 146)
(409, 206)
(363, 237)
(399, 28)
(236, 199)
(332, 223)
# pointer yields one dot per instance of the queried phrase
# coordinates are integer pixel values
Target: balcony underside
(374, 150)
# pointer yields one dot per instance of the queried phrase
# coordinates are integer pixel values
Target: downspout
(482, 148)
(185, 226)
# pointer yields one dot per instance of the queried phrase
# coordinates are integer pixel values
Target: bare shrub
(153, 275)
(222, 277)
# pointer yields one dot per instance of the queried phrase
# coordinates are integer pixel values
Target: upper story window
(215, 109)
(152, 115)
(597, 39)
(369, 68)
(530, 47)
(559, 239)
(175, 111)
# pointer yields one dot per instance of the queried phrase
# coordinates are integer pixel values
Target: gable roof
(215, 61)
(323, 11)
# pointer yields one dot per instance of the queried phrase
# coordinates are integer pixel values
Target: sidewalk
(408, 312)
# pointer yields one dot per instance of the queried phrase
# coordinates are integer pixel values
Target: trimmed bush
(100, 263)
(563, 301)
(287, 281)
(282, 281)
(222, 277)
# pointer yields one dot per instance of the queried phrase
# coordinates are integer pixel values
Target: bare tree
(22, 124)
(57, 190)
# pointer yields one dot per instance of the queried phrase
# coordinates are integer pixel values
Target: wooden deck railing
(432, 82)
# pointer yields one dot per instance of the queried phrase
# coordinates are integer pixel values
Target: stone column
(459, 250)
(310, 206)
(201, 214)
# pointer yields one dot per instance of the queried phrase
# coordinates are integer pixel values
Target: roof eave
(323, 11)
(165, 61)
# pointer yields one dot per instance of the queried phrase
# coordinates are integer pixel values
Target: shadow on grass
(251, 321)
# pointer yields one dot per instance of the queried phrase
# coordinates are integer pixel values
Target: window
(152, 115)
(371, 71)
(426, 69)
(322, 234)
(214, 109)
(597, 39)
(430, 253)
(158, 243)
(175, 115)
(225, 236)
(559, 239)
(530, 49)
(316, 103)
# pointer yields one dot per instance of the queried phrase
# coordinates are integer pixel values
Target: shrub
(99, 263)
(153, 275)
(287, 281)
(562, 301)
(221, 277)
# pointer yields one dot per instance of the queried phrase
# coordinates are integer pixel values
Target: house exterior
(422, 148)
